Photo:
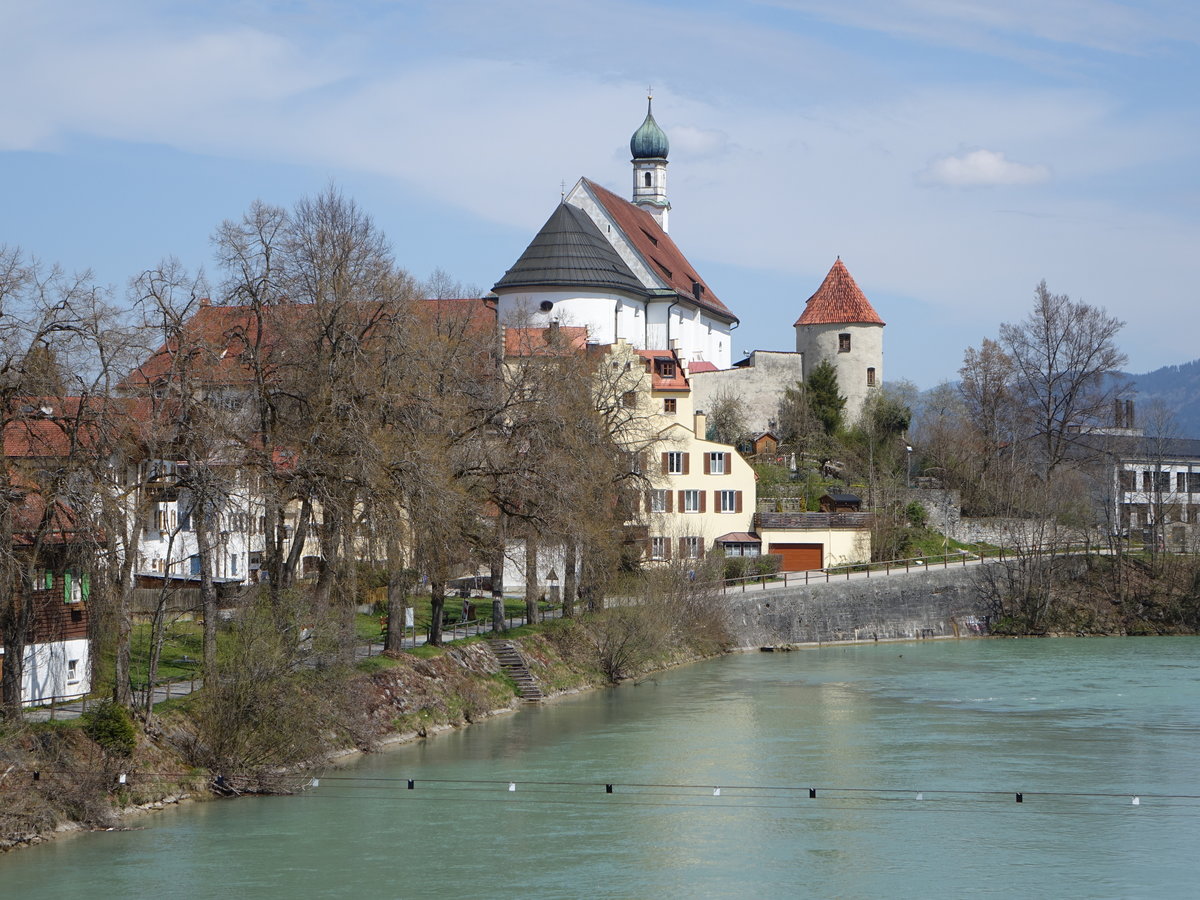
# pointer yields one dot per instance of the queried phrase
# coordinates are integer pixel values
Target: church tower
(839, 325)
(649, 148)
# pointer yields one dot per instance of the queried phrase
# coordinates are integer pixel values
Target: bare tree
(1065, 364)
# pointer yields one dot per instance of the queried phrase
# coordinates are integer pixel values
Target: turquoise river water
(916, 753)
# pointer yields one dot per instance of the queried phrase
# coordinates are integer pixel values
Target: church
(609, 265)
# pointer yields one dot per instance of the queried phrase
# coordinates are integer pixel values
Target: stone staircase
(513, 665)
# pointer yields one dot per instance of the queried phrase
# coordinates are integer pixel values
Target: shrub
(767, 563)
(916, 514)
(110, 726)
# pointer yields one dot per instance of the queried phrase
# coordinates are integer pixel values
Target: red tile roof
(701, 365)
(54, 428)
(839, 301)
(658, 382)
(659, 251)
(542, 342)
(220, 338)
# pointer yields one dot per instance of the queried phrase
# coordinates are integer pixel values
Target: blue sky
(953, 153)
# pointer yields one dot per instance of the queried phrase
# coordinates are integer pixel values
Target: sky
(954, 153)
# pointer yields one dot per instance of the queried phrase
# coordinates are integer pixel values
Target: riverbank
(54, 779)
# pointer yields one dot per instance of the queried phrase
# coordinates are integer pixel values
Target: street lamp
(552, 580)
(908, 478)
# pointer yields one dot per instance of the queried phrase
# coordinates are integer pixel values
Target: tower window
(647, 177)
(843, 343)
(871, 376)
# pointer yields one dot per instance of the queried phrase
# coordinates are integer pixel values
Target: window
(233, 561)
(690, 501)
(664, 367)
(729, 501)
(716, 464)
(1181, 482)
(1162, 481)
(675, 462)
(1128, 480)
(194, 565)
(670, 406)
(843, 343)
(691, 547)
(658, 501)
(647, 179)
(72, 671)
(870, 376)
(76, 586)
(660, 548)
(629, 399)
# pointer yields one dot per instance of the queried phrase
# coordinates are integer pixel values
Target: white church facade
(608, 264)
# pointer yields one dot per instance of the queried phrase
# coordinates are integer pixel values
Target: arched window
(871, 376)
(647, 177)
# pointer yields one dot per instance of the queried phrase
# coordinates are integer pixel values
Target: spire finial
(562, 190)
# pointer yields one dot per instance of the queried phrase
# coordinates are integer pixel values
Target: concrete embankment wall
(932, 603)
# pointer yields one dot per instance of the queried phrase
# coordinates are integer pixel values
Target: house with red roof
(607, 264)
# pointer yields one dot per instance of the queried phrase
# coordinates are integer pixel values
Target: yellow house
(702, 496)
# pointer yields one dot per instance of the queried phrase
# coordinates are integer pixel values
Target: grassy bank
(265, 729)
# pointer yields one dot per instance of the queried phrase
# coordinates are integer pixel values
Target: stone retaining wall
(932, 603)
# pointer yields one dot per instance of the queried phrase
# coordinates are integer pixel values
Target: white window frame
(658, 548)
(691, 501)
(727, 501)
(658, 501)
(674, 462)
(692, 547)
(716, 464)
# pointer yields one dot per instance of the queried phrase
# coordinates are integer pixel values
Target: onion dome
(649, 141)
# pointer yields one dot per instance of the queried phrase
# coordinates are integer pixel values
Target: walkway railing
(889, 567)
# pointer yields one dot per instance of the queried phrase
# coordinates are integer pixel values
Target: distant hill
(1178, 387)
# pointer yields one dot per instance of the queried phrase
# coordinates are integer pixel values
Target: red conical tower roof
(839, 301)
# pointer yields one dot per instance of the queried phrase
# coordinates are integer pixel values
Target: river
(916, 753)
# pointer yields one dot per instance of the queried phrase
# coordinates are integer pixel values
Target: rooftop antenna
(562, 190)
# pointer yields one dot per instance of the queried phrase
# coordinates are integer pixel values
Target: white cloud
(982, 168)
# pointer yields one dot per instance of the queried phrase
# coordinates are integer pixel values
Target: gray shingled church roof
(570, 251)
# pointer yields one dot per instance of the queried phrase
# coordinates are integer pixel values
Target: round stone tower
(840, 325)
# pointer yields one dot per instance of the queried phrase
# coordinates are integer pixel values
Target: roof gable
(570, 251)
(839, 301)
(659, 252)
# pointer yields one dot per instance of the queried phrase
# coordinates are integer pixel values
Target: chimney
(205, 303)
(1129, 420)
(700, 427)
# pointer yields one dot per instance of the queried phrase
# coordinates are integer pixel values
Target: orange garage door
(799, 557)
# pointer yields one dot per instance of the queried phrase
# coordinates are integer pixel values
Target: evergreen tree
(823, 397)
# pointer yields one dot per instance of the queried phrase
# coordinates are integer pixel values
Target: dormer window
(665, 367)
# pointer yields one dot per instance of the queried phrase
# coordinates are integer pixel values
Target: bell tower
(649, 148)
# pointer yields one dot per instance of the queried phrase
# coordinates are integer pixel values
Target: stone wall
(931, 603)
(760, 386)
